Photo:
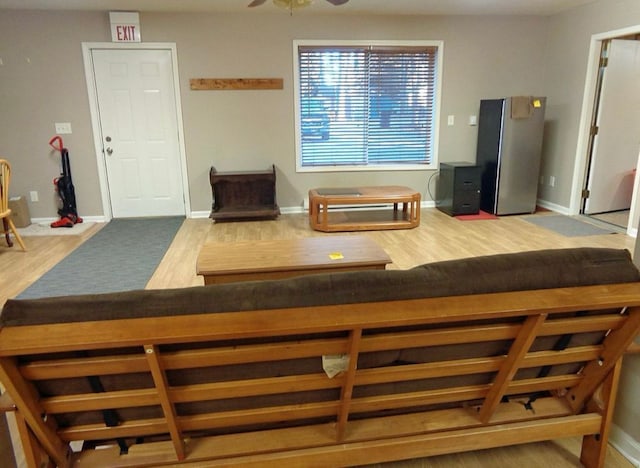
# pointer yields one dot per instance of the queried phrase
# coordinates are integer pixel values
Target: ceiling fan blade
(337, 2)
(256, 3)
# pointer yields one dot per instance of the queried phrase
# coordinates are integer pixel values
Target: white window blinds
(366, 105)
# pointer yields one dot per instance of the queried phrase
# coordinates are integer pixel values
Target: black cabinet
(458, 188)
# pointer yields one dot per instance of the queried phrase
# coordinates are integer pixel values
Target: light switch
(473, 120)
(451, 120)
(63, 127)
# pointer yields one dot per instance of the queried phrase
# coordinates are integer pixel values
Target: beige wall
(42, 82)
(484, 57)
(566, 59)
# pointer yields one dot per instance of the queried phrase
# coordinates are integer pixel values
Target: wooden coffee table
(322, 199)
(220, 262)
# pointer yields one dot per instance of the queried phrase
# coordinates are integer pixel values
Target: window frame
(433, 164)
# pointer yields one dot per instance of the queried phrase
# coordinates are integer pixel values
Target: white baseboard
(205, 214)
(625, 444)
(302, 209)
(553, 207)
(293, 209)
(89, 219)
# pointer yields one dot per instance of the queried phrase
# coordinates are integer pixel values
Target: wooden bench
(321, 200)
(246, 195)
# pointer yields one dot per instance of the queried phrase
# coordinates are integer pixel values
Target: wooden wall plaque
(203, 84)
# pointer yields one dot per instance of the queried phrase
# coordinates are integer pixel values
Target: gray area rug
(122, 256)
(567, 226)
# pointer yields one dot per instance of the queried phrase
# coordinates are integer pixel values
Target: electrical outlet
(34, 196)
(552, 181)
(451, 120)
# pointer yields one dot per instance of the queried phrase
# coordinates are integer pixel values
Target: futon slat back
(175, 377)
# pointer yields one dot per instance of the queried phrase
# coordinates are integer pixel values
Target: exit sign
(125, 26)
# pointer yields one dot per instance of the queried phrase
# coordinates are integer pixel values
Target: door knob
(109, 151)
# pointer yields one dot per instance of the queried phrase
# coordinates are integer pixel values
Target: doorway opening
(608, 190)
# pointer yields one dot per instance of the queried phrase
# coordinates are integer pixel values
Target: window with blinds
(366, 105)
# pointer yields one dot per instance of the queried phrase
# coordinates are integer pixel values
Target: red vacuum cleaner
(64, 187)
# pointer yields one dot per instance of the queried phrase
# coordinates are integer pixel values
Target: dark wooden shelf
(243, 195)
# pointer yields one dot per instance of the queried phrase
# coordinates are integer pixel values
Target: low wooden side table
(321, 199)
(224, 262)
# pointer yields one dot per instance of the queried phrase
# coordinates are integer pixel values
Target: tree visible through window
(366, 105)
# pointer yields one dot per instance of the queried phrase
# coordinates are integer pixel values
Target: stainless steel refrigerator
(509, 150)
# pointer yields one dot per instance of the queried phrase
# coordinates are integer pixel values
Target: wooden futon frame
(166, 397)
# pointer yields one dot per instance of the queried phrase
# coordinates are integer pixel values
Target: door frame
(87, 48)
(588, 105)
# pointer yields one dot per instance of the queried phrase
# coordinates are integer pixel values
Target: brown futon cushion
(496, 273)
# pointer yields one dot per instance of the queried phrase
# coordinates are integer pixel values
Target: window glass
(366, 106)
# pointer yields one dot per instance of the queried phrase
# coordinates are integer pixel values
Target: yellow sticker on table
(336, 255)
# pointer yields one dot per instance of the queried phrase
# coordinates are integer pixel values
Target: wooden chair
(5, 211)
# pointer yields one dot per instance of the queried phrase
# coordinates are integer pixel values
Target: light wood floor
(439, 237)
(617, 218)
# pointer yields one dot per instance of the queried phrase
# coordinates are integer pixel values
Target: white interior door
(615, 150)
(139, 130)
